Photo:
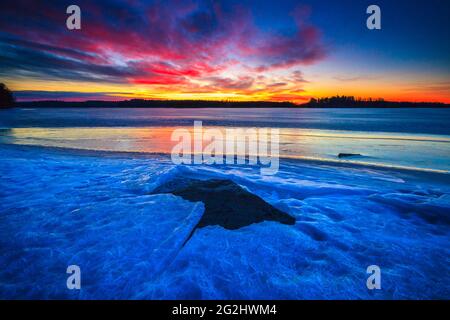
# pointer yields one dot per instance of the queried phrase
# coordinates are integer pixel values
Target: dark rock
(226, 203)
(345, 155)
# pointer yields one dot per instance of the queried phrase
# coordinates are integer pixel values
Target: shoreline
(112, 106)
(321, 103)
(289, 159)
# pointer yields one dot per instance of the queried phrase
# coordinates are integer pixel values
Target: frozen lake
(80, 205)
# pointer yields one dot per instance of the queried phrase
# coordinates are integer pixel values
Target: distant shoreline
(186, 104)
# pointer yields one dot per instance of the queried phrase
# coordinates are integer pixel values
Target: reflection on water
(394, 149)
(424, 121)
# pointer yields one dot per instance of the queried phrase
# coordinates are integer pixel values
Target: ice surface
(95, 210)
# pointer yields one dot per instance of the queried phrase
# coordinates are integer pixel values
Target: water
(412, 138)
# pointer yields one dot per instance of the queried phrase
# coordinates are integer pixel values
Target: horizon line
(357, 100)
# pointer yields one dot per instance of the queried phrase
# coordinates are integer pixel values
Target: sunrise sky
(238, 50)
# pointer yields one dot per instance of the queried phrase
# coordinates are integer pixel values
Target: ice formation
(94, 210)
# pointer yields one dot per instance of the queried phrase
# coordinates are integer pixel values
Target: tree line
(6, 97)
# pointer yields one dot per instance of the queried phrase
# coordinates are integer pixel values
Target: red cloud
(165, 43)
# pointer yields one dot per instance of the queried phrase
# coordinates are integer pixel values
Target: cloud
(443, 87)
(276, 84)
(354, 78)
(25, 61)
(153, 43)
(244, 82)
(34, 95)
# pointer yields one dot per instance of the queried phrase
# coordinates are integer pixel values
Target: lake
(412, 138)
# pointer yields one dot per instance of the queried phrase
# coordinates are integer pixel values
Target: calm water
(418, 138)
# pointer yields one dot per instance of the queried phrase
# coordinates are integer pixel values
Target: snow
(94, 209)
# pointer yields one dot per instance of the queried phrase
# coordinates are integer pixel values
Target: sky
(225, 50)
